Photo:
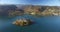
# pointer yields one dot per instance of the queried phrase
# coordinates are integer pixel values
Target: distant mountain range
(6, 9)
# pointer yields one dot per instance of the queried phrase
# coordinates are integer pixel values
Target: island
(22, 22)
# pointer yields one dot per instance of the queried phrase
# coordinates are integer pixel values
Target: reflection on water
(42, 24)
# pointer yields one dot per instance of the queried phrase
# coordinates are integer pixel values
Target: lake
(42, 24)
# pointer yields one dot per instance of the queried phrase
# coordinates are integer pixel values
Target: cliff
(10, 10)
(35, 10)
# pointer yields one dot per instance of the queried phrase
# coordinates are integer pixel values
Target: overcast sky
(36, 2)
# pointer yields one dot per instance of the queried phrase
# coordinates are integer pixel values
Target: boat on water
(23, 22)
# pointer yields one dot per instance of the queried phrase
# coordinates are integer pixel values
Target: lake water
(42, 24)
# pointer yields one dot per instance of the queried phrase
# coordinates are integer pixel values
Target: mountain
(5, 9)
(13, 10)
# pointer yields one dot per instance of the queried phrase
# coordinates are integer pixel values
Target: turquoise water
(42, 24)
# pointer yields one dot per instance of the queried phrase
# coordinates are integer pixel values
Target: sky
(34, 2)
